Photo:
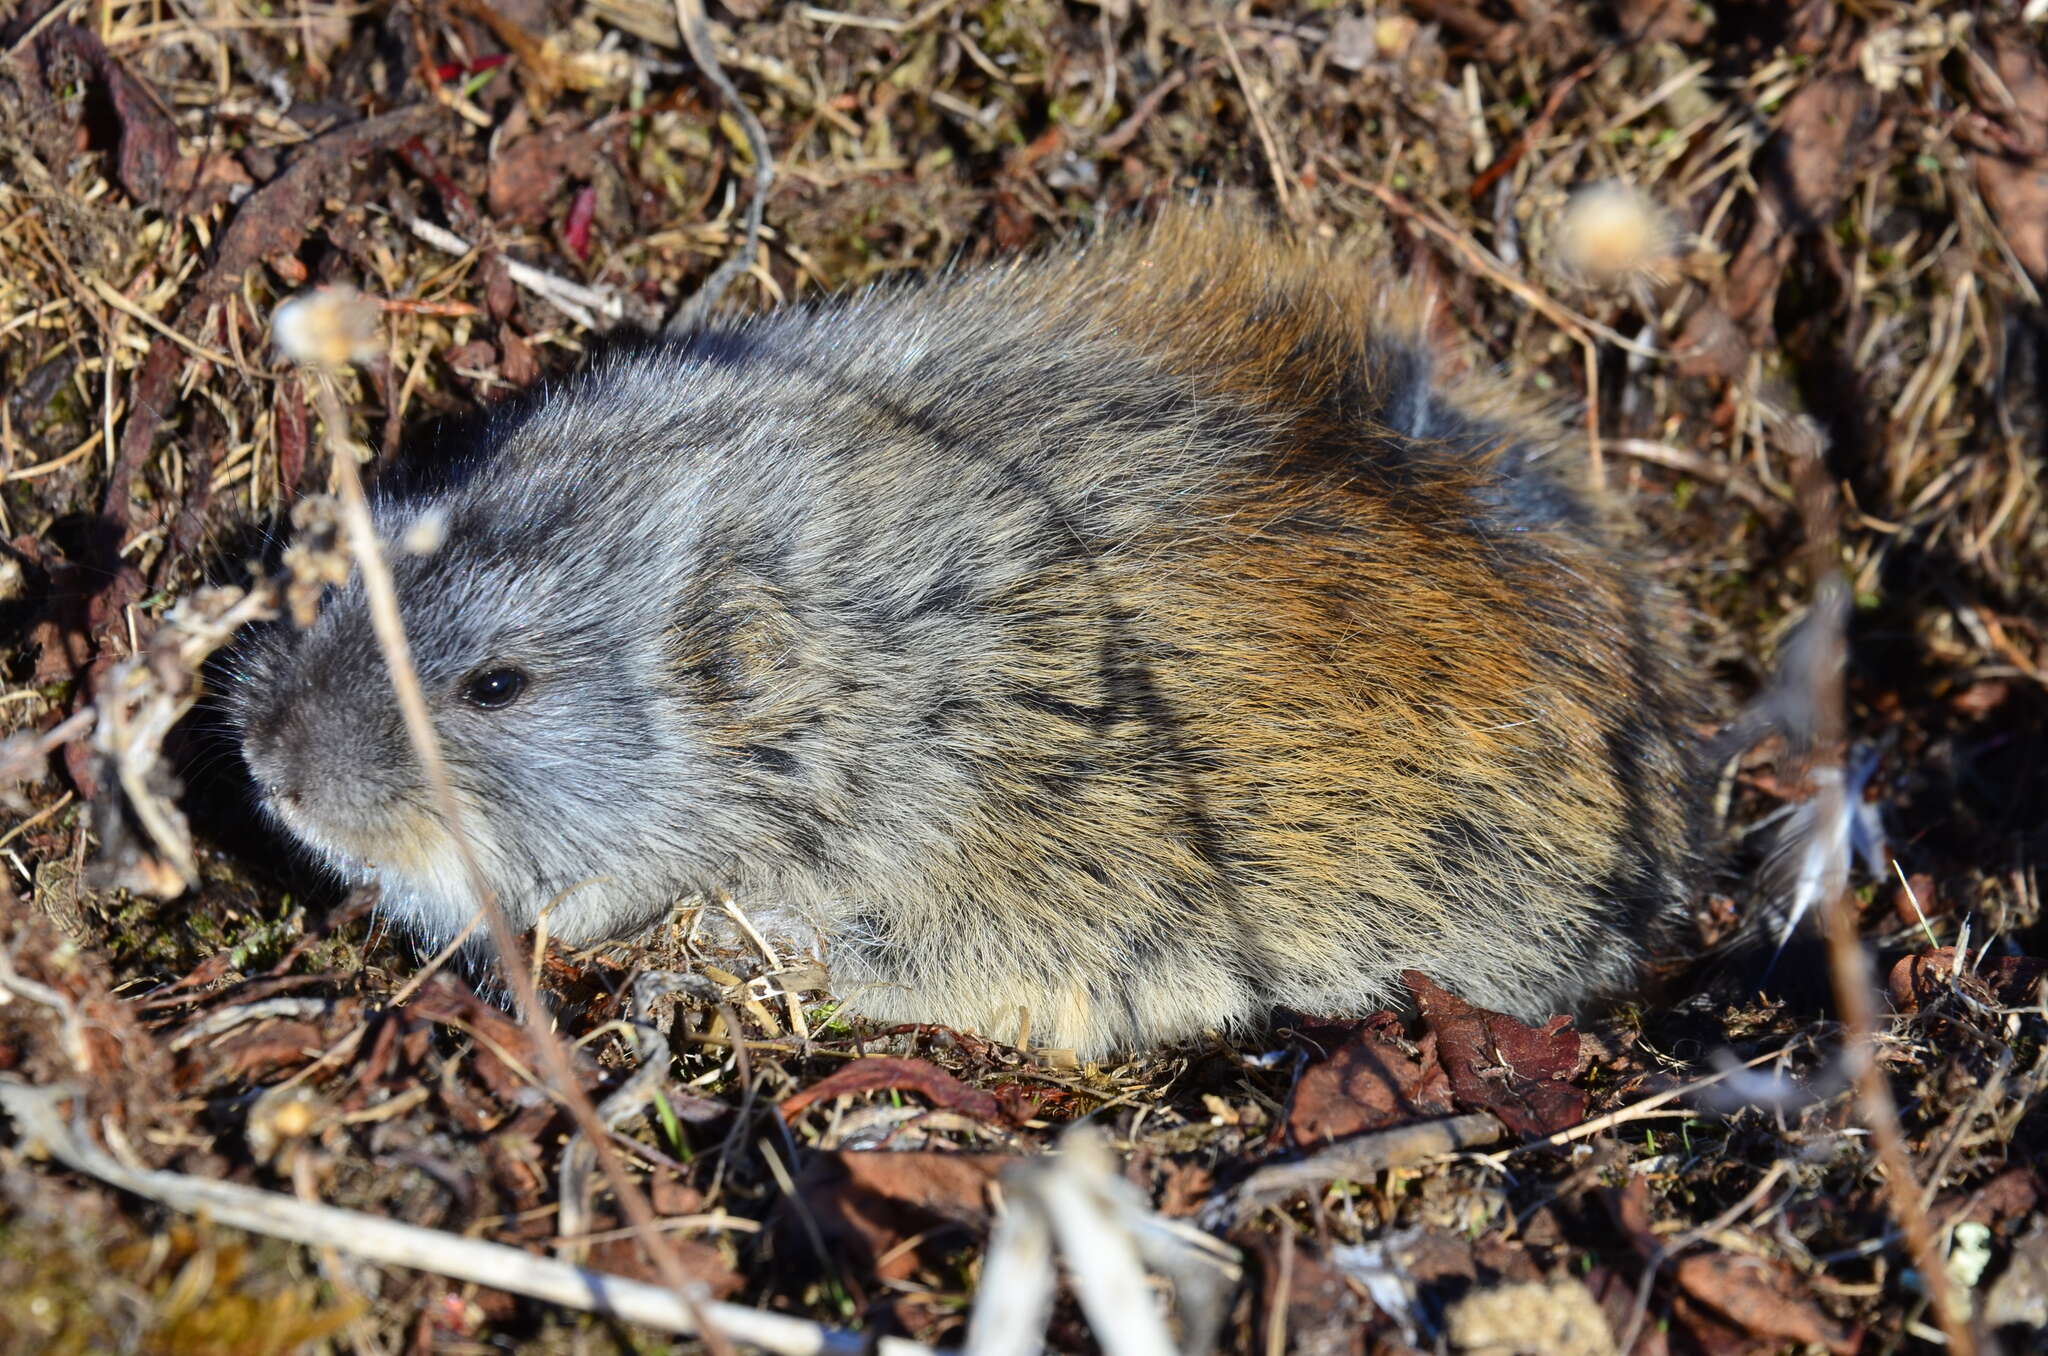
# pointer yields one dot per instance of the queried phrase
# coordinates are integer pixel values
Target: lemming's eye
(493, 687)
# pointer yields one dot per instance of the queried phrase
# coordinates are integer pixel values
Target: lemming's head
(540, 608)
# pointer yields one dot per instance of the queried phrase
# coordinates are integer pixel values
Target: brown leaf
(146, 145)
(1498, 1064)
(274, 220)
(670, 1195)
(951, 1185)
(288, 416)
(1367, 1083)
(1827, 129)
(1751, 292)
(1646, 21)
(202, 182)
(2011, 1195)
(701, 1262)
(881, 1073)
(1710, 345)
(1629, 1206)
(1616, 1294)
(872, 1201)
(2007, 981)
(531, 174)
(2009, 82)
(1763, 1297)
(1917, 897)
(2017, 193)
(1186, 1188)
(520, 366)
(1321, 1310)
(443, 999)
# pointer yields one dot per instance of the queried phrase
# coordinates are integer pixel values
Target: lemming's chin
(434, 907)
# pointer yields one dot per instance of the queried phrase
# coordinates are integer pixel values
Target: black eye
(493, 687)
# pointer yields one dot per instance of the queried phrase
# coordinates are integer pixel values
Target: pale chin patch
(425, 889)
(419, 874)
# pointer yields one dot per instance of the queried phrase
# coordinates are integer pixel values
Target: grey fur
(895, 619)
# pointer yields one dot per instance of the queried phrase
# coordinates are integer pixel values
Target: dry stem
(412, 703)
(1854, 983)
(697, 38)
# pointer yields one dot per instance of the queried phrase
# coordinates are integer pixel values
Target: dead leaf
(146, 142)
(273, 221)
(2012, 86)
(476, 356)
(2017, 193)
(1751, 289)
(288, 418)
(2009, 1196)
(1185, 1189)
(1915, 898)
(520, 366)
(882, 1073)
(1827, 130)
(1498, 1064)
(445, 1000)
(701, 1262)
(530, 175)
(1647, 21)
(1321, 1310)
(871, 1200)
(1764, 1298)
(2004, 981)
(1368, 1083)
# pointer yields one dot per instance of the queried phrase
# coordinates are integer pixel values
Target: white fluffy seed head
(328, 327)
(427, 533)
(1613, 231)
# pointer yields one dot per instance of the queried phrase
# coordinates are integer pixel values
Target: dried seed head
(316, 560)
(328, 327)
(1611, 232)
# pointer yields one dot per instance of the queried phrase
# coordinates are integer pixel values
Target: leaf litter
(1855, 197)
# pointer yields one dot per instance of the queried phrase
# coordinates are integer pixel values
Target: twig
(38, 817)
(22, 755)
(1579, 327)
(1077, 1204)
(222, 1020)
(1126, 131)
(1363, 1155)
(1854, 983)
(1623, 1115)
(106, 292)
(1534, 130)
(1277, 166)
(395, 1243)
(693, 313)
(1697, 466)
(562, 1081)
(572, 299)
